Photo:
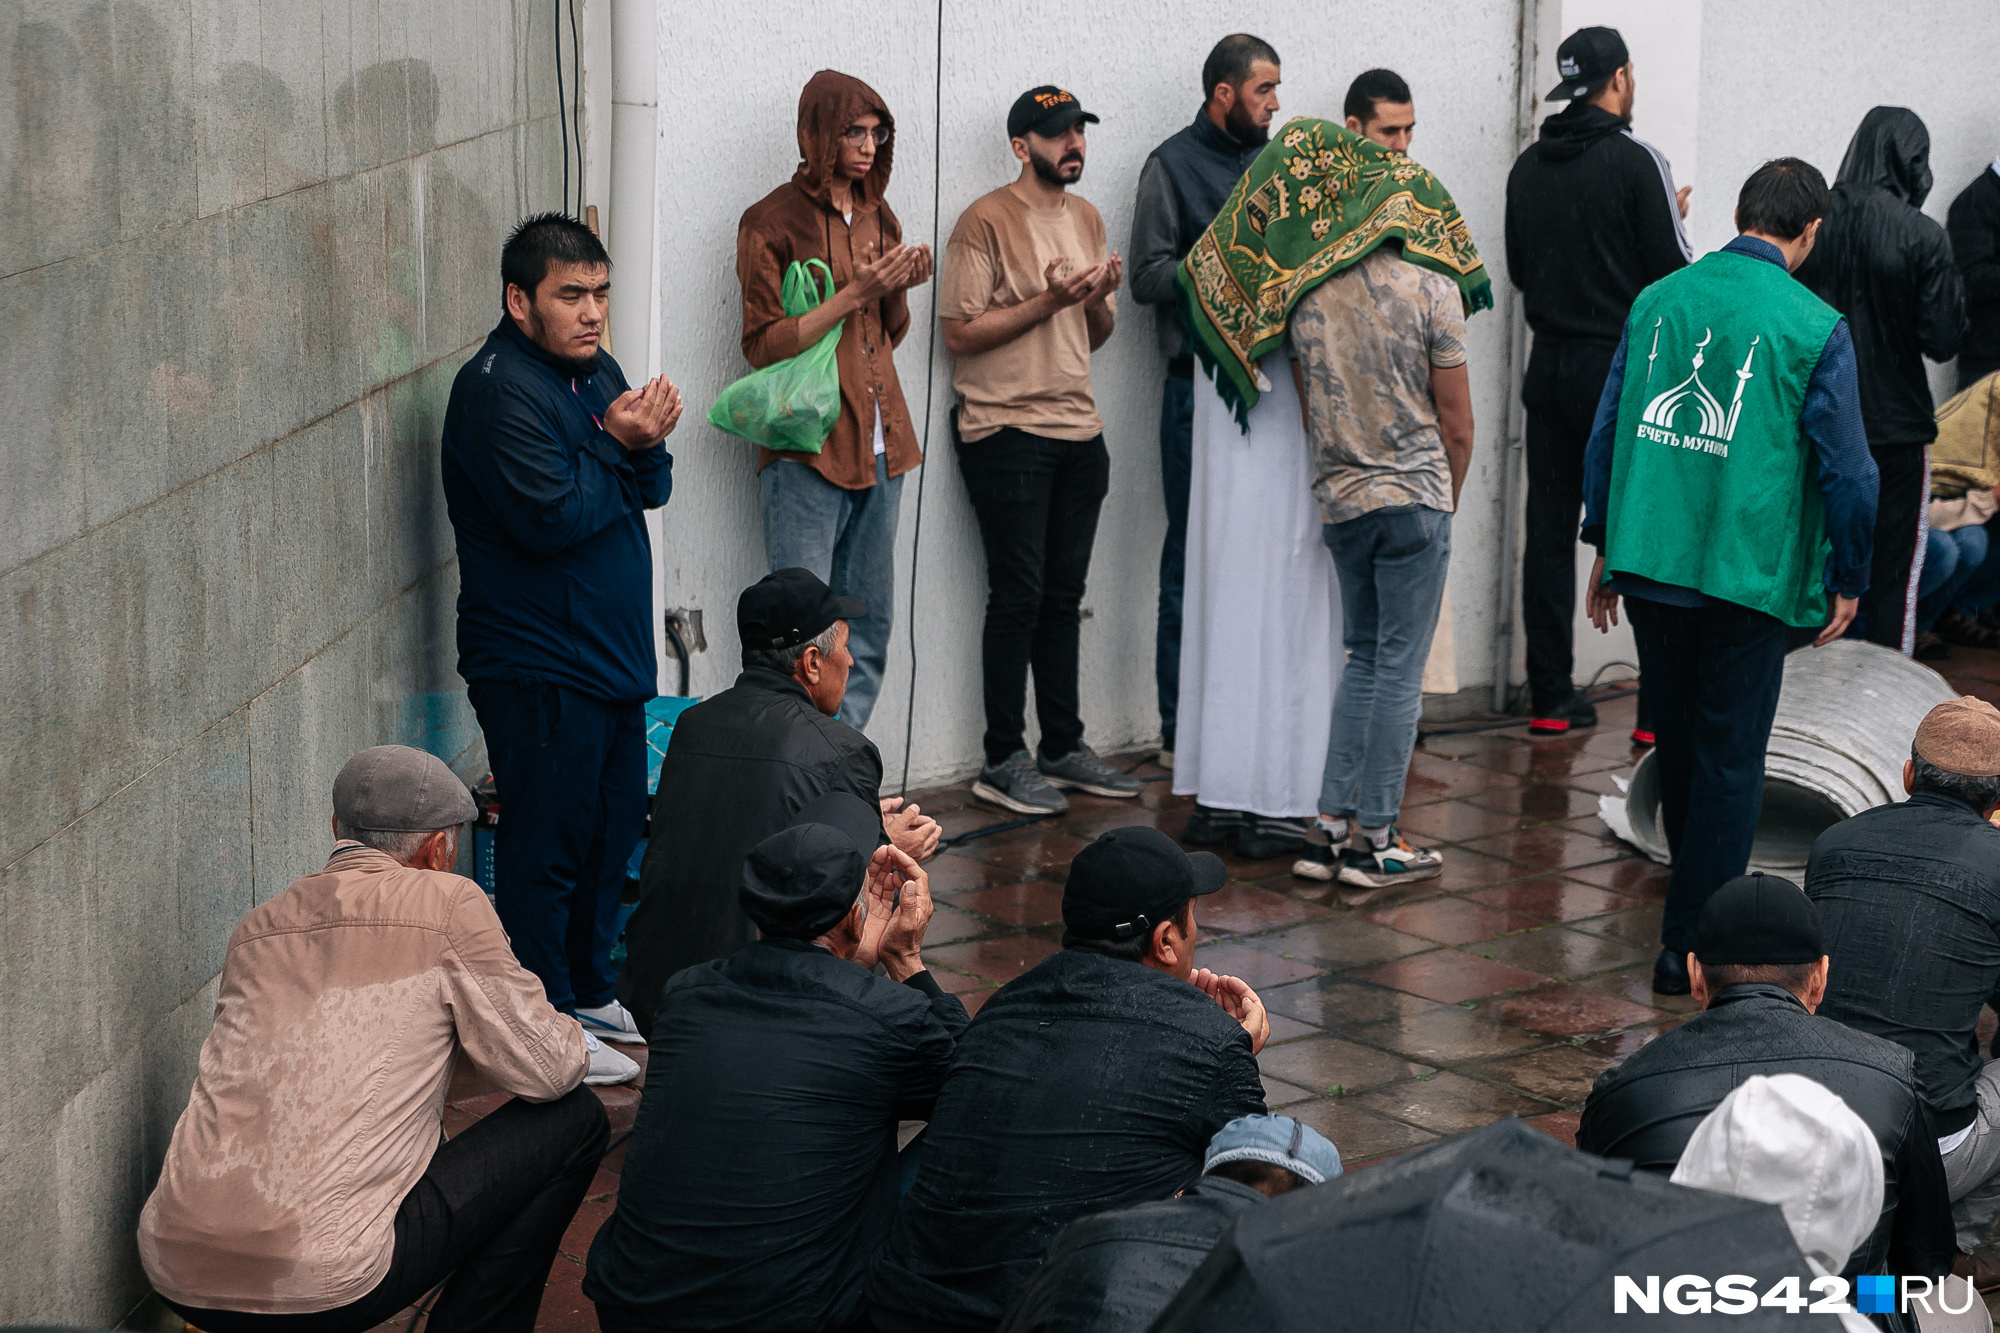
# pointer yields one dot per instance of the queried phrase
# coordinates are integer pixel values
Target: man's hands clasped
(641, 418)
(913, 831)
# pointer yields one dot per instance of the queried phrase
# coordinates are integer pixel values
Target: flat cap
(1961, 736)
(1757, 920)
(396, 789)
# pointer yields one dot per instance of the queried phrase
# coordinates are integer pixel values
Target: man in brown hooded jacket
(834, 512)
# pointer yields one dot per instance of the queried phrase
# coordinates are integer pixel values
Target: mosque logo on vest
(1688, 416)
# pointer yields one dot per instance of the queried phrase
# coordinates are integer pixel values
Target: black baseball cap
(799, 882)
(1047, 111)
(1130, 880)
(789, 607)
(1758, 919)
(1586, 59)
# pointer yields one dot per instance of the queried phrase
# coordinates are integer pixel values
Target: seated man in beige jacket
(307, 1188)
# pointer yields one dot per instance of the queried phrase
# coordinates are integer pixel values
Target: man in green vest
(1729, 491)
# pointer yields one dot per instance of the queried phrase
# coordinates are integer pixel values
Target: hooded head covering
(1784, 1139)
(830, 103)
(1891, 151)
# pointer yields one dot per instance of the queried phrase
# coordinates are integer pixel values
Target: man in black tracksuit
(1592, 219)
(1887, 268)
(1974, 227)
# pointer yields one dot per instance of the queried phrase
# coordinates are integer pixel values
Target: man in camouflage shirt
(1379, 356)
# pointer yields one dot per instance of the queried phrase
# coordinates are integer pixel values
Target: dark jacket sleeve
(933, 1039)
(860, 772)
(1940, 294)
(654, 470)
(1848, 479)
(1597, 453)
(1975, 247)
(546, 499)
(1655, 219)
(1237, 1089)
(1157, 247)
(1922, 1239)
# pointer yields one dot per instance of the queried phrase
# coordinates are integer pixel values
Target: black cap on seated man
(1114, 1272)
(763, 1172)
(1094, 1080)
(739, 767)
(1759, 970)
(1909, 895)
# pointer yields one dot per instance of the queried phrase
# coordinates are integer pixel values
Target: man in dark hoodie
(1181, 188)
(1593, 218)
(1974, 227)
(1887, 268)
(834, 512)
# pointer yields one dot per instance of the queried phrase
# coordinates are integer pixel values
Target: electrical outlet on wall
(687, 621)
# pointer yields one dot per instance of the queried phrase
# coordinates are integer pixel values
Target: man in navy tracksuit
(550, 462)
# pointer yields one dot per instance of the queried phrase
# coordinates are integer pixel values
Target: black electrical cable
(562, 108)
(576, 81)
(930, 385)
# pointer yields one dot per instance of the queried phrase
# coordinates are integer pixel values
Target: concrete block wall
(244, 246)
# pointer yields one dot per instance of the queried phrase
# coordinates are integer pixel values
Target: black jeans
(1712, 675)
(1889, 605)
(1560, 391)
(488, 1213)
(1037, 500)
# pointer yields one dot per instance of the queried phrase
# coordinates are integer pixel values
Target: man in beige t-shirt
(1025, 298)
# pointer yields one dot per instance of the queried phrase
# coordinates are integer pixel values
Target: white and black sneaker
(1017, 784)
(1082, 770)
(1320, 861)
(1394, 862)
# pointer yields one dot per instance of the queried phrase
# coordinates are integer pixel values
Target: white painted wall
(1138, 66)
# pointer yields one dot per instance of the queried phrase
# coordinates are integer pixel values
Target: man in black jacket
(1973, 224)
(1181, 188)
(1910, 898)
(763, 1169)
(1093, 1081)
(1760, 971)
(739, 767)
(1114, 1272)
(1888, 269)
(1592, 219)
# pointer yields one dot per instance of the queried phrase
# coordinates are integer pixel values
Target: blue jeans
(847, 538)
(1176, 471)
(571, 773)
(1391, 565)
(1961, 573)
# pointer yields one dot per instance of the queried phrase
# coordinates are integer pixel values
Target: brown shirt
(788, 225)
(998, 257)
(344, 1003)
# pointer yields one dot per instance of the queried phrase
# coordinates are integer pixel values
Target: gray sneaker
(1084, 771)
(1016, 785)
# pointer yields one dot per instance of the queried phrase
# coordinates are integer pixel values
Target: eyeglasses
(854, 134)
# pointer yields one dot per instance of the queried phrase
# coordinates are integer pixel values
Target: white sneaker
(606, 1065)
(612, 1022)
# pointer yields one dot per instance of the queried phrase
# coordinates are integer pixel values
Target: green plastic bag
(794, 403)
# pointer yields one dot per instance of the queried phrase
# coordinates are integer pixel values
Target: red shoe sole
(1553, 726)
(1642, 738)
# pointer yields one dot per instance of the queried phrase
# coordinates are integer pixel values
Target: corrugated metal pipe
(1846, 715)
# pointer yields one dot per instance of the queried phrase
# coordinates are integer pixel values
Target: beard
(1056, 173)
(575, 367)
(1240, 127)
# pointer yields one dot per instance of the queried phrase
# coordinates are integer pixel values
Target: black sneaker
(1082, 770)
(1394, 862)
(1263, 837)
(1208, 827)
(1575, 711)
(1017, 785)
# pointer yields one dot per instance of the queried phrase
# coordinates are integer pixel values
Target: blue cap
(1279, 1140)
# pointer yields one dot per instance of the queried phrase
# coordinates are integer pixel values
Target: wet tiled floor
(1501, 988)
